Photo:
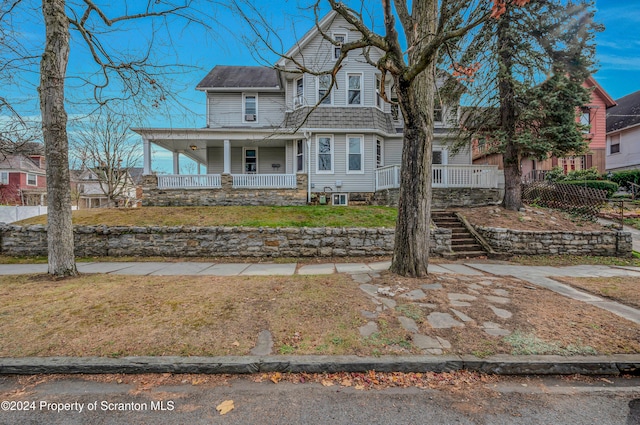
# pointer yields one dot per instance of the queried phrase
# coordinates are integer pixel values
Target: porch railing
(474, 176)
(264, 181)
(480, 176)
(189, 181)
(388, 177)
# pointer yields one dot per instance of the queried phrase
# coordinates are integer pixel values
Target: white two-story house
(278, 136)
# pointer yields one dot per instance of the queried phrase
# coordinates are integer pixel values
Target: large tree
(410, 51)
(528, 91)
(114, 73)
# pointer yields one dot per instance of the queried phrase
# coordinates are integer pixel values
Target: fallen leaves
(379, 380)
(225, 407)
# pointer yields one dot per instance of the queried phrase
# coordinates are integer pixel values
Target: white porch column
(308, 168)
(227, 157)
(146, 152)
(176, 163)
(199, 170)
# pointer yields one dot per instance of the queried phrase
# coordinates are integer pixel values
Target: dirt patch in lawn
(532, 218)
(113, 315)
(625, 290)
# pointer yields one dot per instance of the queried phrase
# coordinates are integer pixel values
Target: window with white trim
(354, 89)
(324, 87)
(299, 155)
(379, 153)
(298, 99)
(615, 144)
(250, 159)
(585, 119)
(250, 107)
(32, 179)
(437, 158)
(4, 177)
(379, 99)
(340, 199)
(324, 154)
(355, 153)
(340, 39)
(437, 113)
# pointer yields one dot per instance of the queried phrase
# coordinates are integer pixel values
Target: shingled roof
(240, 77)
(625, 114)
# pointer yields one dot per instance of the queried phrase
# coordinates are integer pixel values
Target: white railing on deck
(189, 181)
(480, 176)
(474, 176)
(264, 181)
(388, 177)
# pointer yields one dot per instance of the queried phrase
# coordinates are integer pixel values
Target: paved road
(508, 401)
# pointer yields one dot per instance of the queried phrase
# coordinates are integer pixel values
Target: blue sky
(618, 53)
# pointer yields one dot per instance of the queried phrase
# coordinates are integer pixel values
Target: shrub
(555, 175)
(624, 177)
(610, 187)
(588, 174)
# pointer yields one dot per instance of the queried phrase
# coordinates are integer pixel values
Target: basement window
(340, 199)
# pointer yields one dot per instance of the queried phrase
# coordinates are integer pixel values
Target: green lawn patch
(249, 216)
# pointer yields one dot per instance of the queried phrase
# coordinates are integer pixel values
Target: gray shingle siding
(357, 118)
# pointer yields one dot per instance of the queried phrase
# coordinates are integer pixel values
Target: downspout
(307, 136)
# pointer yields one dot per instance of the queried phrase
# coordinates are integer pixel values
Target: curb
(500, 365)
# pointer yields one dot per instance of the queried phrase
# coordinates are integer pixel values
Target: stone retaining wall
(152, 196)
(447, 197)
(522, 242)
(214, 241)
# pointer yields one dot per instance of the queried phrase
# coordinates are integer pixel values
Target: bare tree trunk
(416, 99)
(512, 172)
(53, 68)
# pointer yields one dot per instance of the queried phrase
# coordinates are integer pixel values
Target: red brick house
(23, 179)
(593, 114)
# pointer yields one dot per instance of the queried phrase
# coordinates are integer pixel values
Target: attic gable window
(585, 119)
(250, 106)
(340, 38)
(299, 97)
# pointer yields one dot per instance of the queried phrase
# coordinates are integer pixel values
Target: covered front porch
(253, 160)
(446, 176)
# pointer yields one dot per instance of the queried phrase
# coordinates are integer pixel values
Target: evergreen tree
(529, 88)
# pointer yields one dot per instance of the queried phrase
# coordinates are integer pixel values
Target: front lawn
(301, 216)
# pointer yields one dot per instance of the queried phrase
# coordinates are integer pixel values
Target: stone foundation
(446, 197)
(520, 242)
(225, 196)
(186, 241)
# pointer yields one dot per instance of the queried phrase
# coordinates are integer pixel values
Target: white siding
(215, 160)
(350, 182)
(629, 155)
(317, 56)
(267, 156)
(225, 110)
(392, 151)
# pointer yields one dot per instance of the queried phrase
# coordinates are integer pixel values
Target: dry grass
(114, 315)
(109, 315)
(533, 218)
(622, 289)
(255, 216)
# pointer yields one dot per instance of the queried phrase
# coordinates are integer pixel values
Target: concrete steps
(463, 243)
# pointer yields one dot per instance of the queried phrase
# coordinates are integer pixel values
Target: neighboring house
(23, 179)
(91, 189)
(623, 134)
(593, 114)
(263, 131)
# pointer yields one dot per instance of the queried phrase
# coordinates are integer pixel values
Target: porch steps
(463, 243)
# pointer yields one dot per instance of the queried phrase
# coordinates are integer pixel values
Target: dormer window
(298, 100)
(250, 106)
(339, 38)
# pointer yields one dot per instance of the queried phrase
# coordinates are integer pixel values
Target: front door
(250, 161)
